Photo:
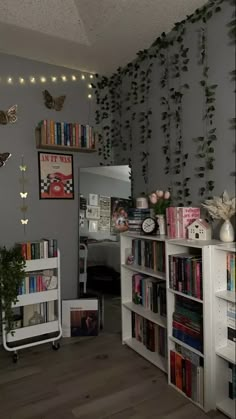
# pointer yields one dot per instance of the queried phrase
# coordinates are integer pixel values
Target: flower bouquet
(160, 200)
(221, 208)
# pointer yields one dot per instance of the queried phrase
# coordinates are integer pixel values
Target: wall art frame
(56, 175)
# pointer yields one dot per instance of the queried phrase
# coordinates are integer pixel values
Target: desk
(104, 253)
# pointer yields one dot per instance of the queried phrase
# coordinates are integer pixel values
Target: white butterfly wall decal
(23, 194)
(9, 116)
(24, 221)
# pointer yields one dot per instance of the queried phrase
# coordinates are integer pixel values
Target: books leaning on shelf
(178, 218)
(151, 335)
(39, 249)
(185, 274)
(38, 281)
(136, 217)
(232, 381)
(66, 134)
(187, 372)
(150, 293)
(187, 322)
(231, 324)
(149, 254)
(231, 279)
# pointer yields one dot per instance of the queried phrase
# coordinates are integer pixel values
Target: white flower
(159, 194)
(153, 198)
(167, 195)
(221, 207)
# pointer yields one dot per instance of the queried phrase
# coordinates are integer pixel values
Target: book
(80, 317)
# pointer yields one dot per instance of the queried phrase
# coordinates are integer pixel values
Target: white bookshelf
(224, 350)
(129, 307)
(31, 335)
(205, 396)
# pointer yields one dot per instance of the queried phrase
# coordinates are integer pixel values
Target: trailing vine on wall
(205, 143)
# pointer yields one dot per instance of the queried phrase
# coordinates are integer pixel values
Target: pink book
(198, 280)
(186, 216)
(171, 222)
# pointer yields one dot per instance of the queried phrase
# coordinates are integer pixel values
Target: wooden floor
(88, 378)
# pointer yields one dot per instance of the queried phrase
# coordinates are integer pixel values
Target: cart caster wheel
(15, 358)
(56, 346)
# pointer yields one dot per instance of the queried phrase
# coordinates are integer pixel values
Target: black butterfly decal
(3, 158)
(9, 116)
(53, 103)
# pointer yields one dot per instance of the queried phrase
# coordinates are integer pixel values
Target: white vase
(162, 224)
(227, 232)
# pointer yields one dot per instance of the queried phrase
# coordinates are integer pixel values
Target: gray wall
(47, 218)
(101, 185)
(221, 61)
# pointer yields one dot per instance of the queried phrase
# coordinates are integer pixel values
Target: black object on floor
(103, 279)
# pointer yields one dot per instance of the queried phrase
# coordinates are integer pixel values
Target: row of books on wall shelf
(185, 274)
(232, 381)
(33, 314)
(149, 254)
(153, 336)
(178, 218)
(187, 374)
(39, 249)
(136, 217)
(231, 278)
(231, 324)
(66, 134)
(37, 282)
(187, 322)
(150, 293)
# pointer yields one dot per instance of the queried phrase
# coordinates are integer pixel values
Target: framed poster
(80, 317)
(119, 214)
(92, 213)
(56, 179)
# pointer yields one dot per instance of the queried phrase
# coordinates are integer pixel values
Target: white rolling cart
(32, 335)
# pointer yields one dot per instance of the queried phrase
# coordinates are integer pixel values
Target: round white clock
(149, 225)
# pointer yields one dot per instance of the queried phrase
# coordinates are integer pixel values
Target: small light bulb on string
(43, 79)
(91, 76)
(54, 79)
(90, 96)
(9, 80)
(73, 77)
(63, 78)
(83, 77)
(90, 86)
(22, 80)
(32, 79)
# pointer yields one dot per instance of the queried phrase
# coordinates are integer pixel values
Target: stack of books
(149, 254)
(187, 322)
(136, 217)
(150, 293)
(44, 248)
(186, 371)
(151, 335)
(232, 381)
(185, 274)
(231, 278)
(231, 325)
(178, 219)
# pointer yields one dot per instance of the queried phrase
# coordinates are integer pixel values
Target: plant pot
(227, 232)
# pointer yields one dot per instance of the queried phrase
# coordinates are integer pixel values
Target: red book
(178, 370)
(172, 367)
(187, 330)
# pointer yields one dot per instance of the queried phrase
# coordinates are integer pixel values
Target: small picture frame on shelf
(56, 178)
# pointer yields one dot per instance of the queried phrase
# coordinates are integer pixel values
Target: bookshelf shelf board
(143, 237)
(193, 243)
(227, 406)
(228, 247)
(228, 353)
(153, 357)
(185, 395)
(147, 314)
(227, 295)
(185, 295)
(65, 148)
(145, 271)
(36, 297)
(41, 264)
(186, 346)
(32, 331)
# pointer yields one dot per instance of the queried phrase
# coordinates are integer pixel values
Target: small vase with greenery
(160, 200)
(12, 273)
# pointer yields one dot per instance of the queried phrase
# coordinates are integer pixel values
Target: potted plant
(12, 273)
(160, 200)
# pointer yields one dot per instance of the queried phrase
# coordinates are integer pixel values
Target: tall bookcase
(196, 354)
(224, 354)
(143, 329)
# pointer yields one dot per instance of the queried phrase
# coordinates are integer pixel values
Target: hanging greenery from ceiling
(124, 102)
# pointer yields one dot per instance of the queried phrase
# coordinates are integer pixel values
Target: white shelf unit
(224, 353)
(201, 248)
(17, 340)
(128, 307)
